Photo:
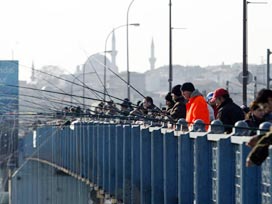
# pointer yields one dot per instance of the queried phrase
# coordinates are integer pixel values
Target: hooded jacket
(197, 108)
(178, 110)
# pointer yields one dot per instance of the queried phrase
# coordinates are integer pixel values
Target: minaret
(113, 54)
(33, 78)
(152, 58)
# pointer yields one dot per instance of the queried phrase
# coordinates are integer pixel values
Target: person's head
(168, 99)
(176, 92)
(245, 109)
(264, 98)
(147, 102)
(125, 105)
(139, 103)
(256, 110)
(219, 96)
(110, 103)
(209, 97)
(187, 89)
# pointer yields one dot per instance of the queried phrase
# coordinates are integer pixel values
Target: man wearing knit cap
(196, 107)
(179, 109)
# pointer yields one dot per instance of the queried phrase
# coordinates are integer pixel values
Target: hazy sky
(65, 32)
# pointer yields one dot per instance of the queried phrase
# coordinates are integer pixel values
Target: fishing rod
(60, 93)
(77, 85)
(64, 102)
(53, 100)
(41, 106)
(90, 88)
(64, 91)
(47, 98)
(131, 86)
(99, 79)
(72, 82)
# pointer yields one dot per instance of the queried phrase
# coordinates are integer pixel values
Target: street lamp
(268, 68)
(128, 74)
(170, 80)
(105, 51)
(245, 67)
(170, 47)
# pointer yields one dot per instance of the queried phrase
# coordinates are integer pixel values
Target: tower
(33, 78)
(113, 54)
(152, 58)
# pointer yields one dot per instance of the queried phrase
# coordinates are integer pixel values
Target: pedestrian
(264, 98)
(211, 107)
(196, 107)
(254, 117)
(150, 107)
(179, 109)
(228, 112)
(260, 149)
(169, 102)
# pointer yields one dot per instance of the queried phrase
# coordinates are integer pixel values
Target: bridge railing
(138, 164)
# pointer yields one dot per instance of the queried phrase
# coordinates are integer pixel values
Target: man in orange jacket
(196, 107)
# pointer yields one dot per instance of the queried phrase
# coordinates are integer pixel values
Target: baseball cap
(219, 92)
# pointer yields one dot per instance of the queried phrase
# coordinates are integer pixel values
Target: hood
(196, 93)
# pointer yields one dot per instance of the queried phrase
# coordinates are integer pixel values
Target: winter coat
(253, 122)
(178, 110)
(197, 108)
(229, 113)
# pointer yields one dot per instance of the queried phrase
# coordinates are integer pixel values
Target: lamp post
(170, 80)
(84, 86)
(170, 47)
(105, 51)
(128, 74)
(268, 68)
(245, 67)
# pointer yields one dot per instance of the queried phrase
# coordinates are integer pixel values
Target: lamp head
(135, 24)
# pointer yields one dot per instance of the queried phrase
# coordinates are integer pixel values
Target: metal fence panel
(127, 163)
(170, 167)
(135, 164)
(145, 166)
(157, 195)
(185, 169)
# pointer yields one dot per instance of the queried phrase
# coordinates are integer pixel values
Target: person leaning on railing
(179, 108)
(264, 99)
(254, 117)
(196, 107)
(260, 149)
(228, 111)
(260, 143)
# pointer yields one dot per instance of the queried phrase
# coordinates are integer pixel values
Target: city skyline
(64, 34)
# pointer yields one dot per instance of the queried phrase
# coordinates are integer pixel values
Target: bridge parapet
(141, 164)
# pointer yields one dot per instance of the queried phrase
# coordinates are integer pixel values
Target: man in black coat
(228, 112)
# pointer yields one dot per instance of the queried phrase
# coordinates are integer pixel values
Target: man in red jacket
(196, 107)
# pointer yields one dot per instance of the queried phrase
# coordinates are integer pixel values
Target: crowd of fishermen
(188, 103)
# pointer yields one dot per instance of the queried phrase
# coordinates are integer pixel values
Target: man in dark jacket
(169, 102)
(228, 112)
(179, 109)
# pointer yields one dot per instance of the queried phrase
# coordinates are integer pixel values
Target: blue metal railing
(137, 164)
